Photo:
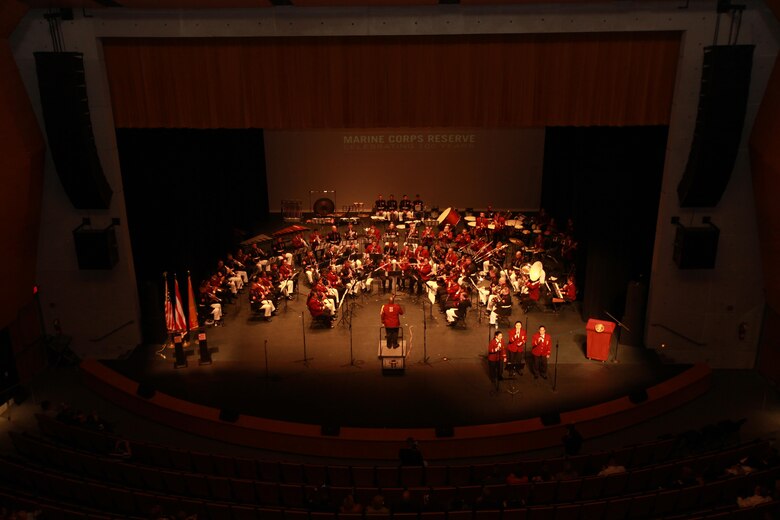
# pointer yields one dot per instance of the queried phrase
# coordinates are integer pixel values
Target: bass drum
(449, 216)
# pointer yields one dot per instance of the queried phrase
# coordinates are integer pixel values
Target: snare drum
(449, 216)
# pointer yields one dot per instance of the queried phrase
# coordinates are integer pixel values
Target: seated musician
(458, 310)
(569, 289)
(427, 236)
(418, 206)
(392, 208)
(391, 249)
(259, 257)
(237, 267)
(445, 235)
(334, 237)
(318, 308)
(451, 258)
(350, 235)
(391, 234)
(380, 206)
(260, 298)
(234, 282)
(372, 233)
(286, 279)
(482, 222)
(209, 299)
(501, 303)
(406, 208)
(316, 241)
(413, 235)
(310, 267)
(463, 239)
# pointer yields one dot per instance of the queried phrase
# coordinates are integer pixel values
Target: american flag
(169, 323)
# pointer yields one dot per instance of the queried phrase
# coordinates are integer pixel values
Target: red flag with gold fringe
(192, 309)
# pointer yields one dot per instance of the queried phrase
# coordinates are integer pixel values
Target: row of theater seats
(82, 498)
(636, 456)
(634, 491)
(299, 495)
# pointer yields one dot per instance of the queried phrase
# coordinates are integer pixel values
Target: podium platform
(393, 359)
(599, 339)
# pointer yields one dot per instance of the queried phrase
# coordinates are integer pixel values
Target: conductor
(390, 314)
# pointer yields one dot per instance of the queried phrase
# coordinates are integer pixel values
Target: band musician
(496, 356)
(540, 350)
(516, 347)
(390, 314)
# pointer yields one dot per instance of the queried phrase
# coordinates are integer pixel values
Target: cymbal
(516, 241)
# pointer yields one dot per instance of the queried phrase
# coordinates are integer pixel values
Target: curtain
(390, 81)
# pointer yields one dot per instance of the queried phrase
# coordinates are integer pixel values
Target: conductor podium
(599, 339)
(393, 359)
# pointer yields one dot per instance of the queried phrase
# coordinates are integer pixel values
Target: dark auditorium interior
(402, 259)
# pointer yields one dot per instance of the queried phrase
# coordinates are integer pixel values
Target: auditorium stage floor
(451, 389)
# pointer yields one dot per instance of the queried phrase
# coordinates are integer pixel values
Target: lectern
(599, 338)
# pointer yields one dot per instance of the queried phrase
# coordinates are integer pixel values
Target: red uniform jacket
(391, 315)
(496, 350)
(516, 341)
(541, 346)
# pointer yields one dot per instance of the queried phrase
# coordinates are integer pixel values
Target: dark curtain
(609, 181)
(191, 196)
(508, 80)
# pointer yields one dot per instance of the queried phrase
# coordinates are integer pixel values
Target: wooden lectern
(599, 338)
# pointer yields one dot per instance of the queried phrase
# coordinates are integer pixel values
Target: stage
(261, 369)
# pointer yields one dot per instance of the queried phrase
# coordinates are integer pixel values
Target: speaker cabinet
(69, 129)
(696, 247)
(725, 84)
(96, 248)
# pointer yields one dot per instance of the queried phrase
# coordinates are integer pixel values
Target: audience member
(377, 506)
(572, 441)
(760, 496)
(411, 454)
(611, 468)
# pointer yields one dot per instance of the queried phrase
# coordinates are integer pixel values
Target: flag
(169, 323)
(192, 310)
(180, 325)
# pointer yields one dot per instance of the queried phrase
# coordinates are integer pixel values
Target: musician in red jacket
(390, 314)
(496, 356)
(516, 346)
(541, 347)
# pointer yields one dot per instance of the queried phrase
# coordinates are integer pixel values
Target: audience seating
(75, 469)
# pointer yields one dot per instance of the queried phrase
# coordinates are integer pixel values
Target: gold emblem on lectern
(599, 327)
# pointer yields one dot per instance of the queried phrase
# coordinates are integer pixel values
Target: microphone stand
(425, 338)
(621, 325)
(555, 374)
(305, 359)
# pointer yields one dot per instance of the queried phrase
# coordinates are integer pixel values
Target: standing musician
(516, 346)
(390, 314)
(496, 355)
(541, 349)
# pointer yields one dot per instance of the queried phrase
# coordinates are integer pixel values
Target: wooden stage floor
(258, 369)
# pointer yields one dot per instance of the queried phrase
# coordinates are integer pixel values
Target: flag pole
(166, 311)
